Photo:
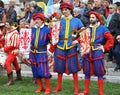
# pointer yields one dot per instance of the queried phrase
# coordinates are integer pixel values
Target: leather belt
(42, 47)
(92, 44)
(67, 38)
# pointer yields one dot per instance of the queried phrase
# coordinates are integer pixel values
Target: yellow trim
(36, 51)
(66, 34)
(93, 37)
(37, 37)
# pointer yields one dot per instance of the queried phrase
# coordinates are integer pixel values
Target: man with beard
(93, 62)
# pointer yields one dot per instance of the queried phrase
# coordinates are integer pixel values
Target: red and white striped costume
(11, 48)
(1, 39)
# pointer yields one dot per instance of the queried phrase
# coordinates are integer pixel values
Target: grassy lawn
(25, 87)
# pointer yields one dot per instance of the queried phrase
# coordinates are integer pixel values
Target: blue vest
(66, 26)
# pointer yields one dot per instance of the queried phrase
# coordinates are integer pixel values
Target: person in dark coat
(113, 23)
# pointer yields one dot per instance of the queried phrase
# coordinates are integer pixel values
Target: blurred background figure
(77, 14)
(16, 5)
(11, 14)
(113, 24)
(2, 12)
(118, 7)
(83, 6)
(106, 4)
(36, 8)
(28, 12)
(97, 7)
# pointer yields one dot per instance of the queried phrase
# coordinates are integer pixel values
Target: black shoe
(116, 68)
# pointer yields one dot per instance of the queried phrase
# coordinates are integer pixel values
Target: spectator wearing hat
(65, 55)
(11, 48)
(38, 55)
(93, 62)
(118, 7)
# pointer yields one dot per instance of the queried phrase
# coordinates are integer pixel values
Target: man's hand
(101, 48)
(49, 53)
(74, 42)
(118, 38)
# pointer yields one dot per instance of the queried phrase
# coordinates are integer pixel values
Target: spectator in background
(10, 12)
(1, 4)
(113, 24)
(118, 7)
(36, 8)
(76, 3)
(106, 4)
(97, 7)
(28, 13)
(77, 14)
(83, 6)
(2, 12)
(16, 6)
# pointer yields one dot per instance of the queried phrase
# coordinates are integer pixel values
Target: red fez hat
(66, 5)
(98, 16)
(38, 15)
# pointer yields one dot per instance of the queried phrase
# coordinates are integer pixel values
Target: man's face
(7, 25)
(56, 1)
(76, 13)
(112, 10)
(22, 25)
(93, 19)
(106, 3)
(97, 3)
(38, 22)
(3, 29)
(66, 12)
(66, 1)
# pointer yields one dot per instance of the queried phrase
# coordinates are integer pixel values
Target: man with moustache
(93, 62)
(38, 52)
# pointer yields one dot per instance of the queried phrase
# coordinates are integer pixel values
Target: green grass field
(25, 87)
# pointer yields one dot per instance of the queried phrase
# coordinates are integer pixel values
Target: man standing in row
(66, 56)
(93, 62)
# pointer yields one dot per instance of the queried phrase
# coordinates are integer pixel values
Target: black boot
(10, 80)
(19, 77)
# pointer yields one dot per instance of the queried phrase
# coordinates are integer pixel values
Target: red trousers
(11, 59)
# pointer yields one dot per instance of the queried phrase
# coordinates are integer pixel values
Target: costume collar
(69, 17)
(11, 30)
(95, 25)
(40, 26)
